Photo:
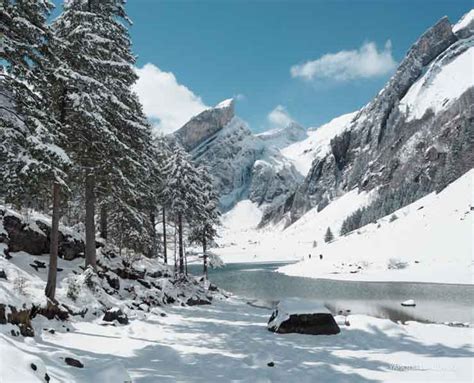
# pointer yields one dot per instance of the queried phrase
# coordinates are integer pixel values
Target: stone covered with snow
(303, 317)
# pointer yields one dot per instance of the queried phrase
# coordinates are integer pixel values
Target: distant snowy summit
(283, 137)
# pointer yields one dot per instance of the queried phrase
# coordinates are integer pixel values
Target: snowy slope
(445, 80)
(430, 237)
(304, 152)
(245, 243)
(466, 21)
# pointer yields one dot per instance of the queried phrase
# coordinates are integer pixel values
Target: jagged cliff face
(242, 164)
(415, 137)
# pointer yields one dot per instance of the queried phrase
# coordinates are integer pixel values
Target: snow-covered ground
(228, 341)
(430, 241)
(241, 241)
(430, 236)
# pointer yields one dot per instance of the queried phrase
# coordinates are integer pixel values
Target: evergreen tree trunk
(180, 243)
(152, 253)
(90, 223)
(103, 221)
(53, 254)
(165, 244)
(204, 254)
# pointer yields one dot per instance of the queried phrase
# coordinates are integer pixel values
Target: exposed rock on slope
(205, 125)
(33, 236)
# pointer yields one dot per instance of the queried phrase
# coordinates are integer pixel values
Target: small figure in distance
(320, 256)
(309, 256)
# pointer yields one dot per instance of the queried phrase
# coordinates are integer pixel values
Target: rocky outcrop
(34, 237)
(205, 125)
(115, 315)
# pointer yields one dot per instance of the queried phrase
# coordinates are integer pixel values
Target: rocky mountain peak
(205, 125)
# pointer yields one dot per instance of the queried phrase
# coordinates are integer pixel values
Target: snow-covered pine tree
(108, 135)
(207, 215)
(182, 193)
(30, 159)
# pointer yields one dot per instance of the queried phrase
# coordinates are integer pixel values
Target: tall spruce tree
(30, 159)
(108, 135)
(182, 193)
(206, 215)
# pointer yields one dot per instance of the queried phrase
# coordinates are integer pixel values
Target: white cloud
(166, 102)
(279, 117)
(364, 62)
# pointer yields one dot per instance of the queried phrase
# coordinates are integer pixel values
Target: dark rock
(23, 238)
(196, 301)
(314, 324)
(144, 283)
(46, 377)
(114, 314)
(271, 364)
(73, 362)
(33, 366)
(52, 331)
(20, 318)
(213, 287)
(3, 275)
(51, 311)
(129, 273)
(113, 281)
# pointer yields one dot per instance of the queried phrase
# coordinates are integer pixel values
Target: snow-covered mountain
(414, 137)
(243, 164)
(408, 152)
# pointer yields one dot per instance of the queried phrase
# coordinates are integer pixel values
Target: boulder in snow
(303, 317)
(409, 303)
(73, 362)
(115, 314)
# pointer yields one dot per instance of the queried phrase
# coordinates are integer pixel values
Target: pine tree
(207, 215)
(182, 193)
(329, 236)
(30, 159)
(107, 134)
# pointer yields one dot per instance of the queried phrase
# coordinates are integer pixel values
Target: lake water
(434, 302)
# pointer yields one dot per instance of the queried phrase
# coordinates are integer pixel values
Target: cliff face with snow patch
(416, 136)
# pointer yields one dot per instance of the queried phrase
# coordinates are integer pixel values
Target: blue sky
(217, 49)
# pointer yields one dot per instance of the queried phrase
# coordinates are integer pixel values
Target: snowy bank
(418, 243)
